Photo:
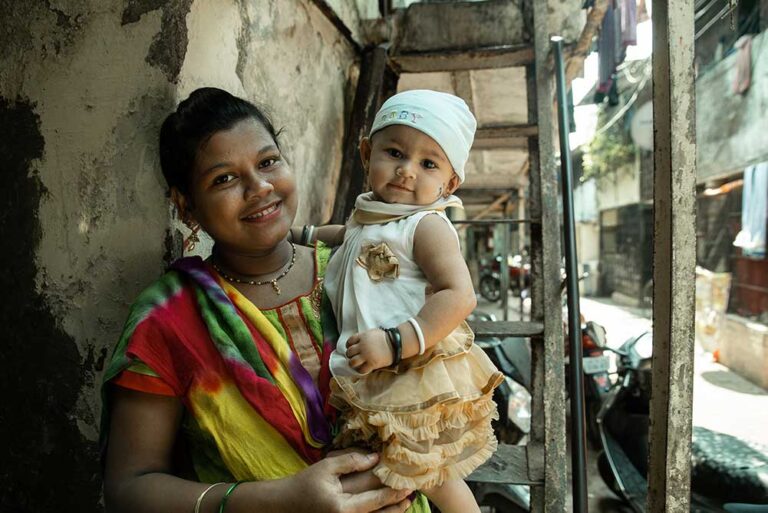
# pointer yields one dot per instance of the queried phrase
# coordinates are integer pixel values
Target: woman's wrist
(253, 496)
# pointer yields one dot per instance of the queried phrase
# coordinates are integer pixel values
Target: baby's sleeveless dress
(430, 417)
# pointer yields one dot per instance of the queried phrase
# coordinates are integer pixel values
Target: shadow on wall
(43, 376)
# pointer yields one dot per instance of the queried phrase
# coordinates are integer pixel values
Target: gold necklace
(272, 282)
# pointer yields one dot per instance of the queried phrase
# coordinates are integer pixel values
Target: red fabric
(143, 383)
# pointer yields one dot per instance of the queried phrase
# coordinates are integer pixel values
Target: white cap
(444, 117)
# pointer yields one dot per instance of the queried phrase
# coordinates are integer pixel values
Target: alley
(723, 401)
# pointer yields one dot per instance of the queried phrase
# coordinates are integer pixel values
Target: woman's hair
(207, 110)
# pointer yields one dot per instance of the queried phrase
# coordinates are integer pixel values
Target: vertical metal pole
(674, 256)
(578, 451)
(504, 269)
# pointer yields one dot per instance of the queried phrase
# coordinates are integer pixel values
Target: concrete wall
(732, 129)
(84, 86)
(619, 188)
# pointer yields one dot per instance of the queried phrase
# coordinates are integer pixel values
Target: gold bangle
(202, 495)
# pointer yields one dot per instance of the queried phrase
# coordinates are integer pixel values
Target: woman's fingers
(350, 463)
(383, 500)
(360, 482)
(400, 507)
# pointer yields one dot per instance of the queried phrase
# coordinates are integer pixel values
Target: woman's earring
(191, 241)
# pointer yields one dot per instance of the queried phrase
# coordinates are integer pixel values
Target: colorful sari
(252, 410)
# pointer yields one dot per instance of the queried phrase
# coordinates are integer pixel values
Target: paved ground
(723, 401)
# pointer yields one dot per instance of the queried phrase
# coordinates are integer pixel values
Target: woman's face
(243, 194)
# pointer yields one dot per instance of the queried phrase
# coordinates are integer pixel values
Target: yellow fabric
(276, 458)
(282, 376)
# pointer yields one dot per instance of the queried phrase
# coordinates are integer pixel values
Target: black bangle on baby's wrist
(396, 341)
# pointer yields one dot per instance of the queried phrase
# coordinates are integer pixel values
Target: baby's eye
(268, 162)
(221, 179)
(395, 153)
(428, 164)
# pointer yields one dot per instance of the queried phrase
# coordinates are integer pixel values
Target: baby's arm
(439, 257)
(437, 253)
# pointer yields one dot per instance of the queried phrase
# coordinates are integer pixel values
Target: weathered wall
(732, 129)
(84, 86)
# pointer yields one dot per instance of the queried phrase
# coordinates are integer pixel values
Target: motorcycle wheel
(490, 288)
(593, 430)
(606, 473)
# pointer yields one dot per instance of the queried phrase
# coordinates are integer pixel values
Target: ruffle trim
(435, 475)
(344, 394)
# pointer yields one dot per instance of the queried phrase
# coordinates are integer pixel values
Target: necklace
(272, 282)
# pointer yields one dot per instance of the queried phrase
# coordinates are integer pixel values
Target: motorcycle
(723, 468)
(490, 277)
(513, 400)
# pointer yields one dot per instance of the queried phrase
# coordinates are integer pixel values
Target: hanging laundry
(743, 76)
(629, 23)
(754, 212)
(606, 50)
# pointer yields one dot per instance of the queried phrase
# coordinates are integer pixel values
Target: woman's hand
(369, 350)
(342, 483)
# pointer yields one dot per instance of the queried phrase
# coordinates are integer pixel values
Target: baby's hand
(369, 350)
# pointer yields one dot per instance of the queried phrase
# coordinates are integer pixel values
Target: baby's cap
(444, 117)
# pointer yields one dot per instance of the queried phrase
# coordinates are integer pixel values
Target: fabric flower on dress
(379, 261)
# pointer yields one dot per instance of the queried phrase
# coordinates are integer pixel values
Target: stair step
(510, 465)
(503, 329)
(456, 60)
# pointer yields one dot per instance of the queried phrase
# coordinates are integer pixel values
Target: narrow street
(723, 401)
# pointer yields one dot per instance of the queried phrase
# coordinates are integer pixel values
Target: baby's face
(407, 166)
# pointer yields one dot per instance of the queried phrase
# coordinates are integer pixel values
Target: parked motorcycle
(512, 357)
(723, 468)
(490, 277)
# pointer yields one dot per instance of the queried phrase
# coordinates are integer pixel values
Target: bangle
(227, 494)
(397, 344)
(310, 234)
(199, 501)
(303, 239)
(419, 335)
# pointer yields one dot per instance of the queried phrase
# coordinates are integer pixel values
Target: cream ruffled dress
(430, 417)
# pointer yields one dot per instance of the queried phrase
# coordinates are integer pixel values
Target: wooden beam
(674, 256)
(501, 143)
(503, 137)
(376, 83)
(508, 465)
(547, 358)
(584, 44)
(447, 60)
(337, 22)
(487, 210)
(462, 86)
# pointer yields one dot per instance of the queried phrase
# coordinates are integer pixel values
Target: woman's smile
(264, 214)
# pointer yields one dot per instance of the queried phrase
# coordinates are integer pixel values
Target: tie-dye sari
(245, 391)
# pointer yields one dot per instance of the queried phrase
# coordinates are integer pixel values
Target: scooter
(490, 277)
(512, 357)
(723, 468)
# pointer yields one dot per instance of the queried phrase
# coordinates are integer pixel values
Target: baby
(408, 380)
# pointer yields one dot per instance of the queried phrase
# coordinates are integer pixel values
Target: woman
(214, 398)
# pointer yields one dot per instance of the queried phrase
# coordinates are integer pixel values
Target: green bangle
(227, 494)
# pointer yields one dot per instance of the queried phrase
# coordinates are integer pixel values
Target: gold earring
(191, 241)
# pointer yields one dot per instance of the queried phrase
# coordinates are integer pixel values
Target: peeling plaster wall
(84, 86)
